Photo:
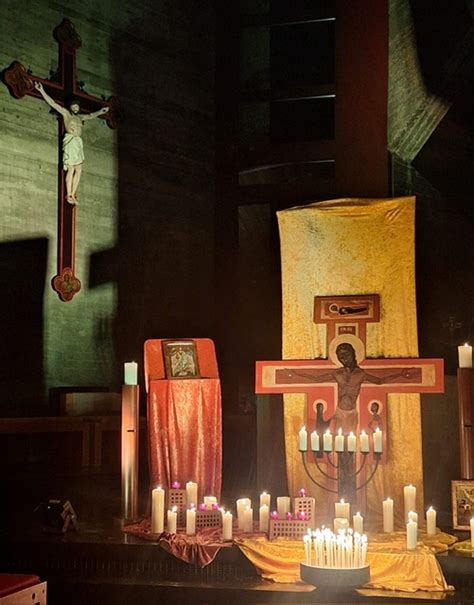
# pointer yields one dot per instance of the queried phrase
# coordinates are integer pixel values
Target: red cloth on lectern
(185, 422)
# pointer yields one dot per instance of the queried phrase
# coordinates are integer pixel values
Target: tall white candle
(283, 506)
(387, 508)
(314, 442)
(248, 520)
(409, 497)
(327, 441)
(130, 370)
(377, 437)
(472, 532)
(157, 510)
(191, 521)
(364, 442)
(431, 521)
(303, 439)
(351, 442)
(264, 516)
(342, 509)
(339, 441)
(412, 535)
(465, 356)
(358, 523)
(191, 493)
(265, 499)
(172, 520)
(227, 526)
(241, 505)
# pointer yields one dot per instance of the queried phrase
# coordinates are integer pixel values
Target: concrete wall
(145, 223)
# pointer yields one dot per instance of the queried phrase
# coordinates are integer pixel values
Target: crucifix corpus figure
(73, 149)
(349, 379)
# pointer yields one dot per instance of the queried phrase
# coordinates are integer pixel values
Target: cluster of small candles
(339, 443)
(344, 549)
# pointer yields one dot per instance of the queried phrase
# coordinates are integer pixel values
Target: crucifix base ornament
(346, 394)
(74, 106)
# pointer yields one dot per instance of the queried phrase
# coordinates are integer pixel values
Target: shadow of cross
(347, 392)
(61, 89)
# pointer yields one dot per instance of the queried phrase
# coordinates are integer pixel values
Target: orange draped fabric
(184, 432)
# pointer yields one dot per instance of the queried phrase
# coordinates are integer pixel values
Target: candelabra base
(335, 578)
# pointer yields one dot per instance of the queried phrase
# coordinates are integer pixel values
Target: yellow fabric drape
(392, 567)
(354, 246)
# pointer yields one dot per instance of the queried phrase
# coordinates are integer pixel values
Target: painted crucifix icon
(74, 107)
(348, 392)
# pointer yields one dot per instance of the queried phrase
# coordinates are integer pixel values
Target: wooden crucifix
(63, 88)
(347, 391)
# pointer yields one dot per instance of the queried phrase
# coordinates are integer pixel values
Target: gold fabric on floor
(354, 246)
(392, 567)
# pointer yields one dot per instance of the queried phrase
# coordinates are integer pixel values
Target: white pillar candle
(412, 535)
(172, 520)
(339, 441)
(327, 441)
(241, 505)
(227, 526)
(303, 439)
(377, 437)
(409, 497)
(340, 523)
(191, 521)
(209, 501)
(358, 523)
(314, 442)
(265, 499)
(130, 370)
(248, 520)
(412, 516)
(472, 532)
(342, 509)
(364, 442)
(387, 508)
(283, 506)
(263, 518)
(157, 510)
(431, 521)
(351, 442)
(191, 493)
(465, 356)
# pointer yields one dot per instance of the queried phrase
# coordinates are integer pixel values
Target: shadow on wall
(164, 260)
(22, 277)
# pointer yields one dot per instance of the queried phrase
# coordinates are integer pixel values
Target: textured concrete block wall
(145, 221)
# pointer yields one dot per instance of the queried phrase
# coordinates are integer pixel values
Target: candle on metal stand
(351, 442)
(465, 356)
(327, 441)
(130, 371)
(303, 439)
(339, 442)
(377, 437)
(364, 442)
(314, 442)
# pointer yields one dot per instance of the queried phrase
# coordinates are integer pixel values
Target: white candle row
(340, 443)
(344, 550)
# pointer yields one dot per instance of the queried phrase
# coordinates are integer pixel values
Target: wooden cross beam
(61, 88)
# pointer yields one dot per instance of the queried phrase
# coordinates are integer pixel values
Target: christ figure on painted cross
(73, 152)
(349, 379)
